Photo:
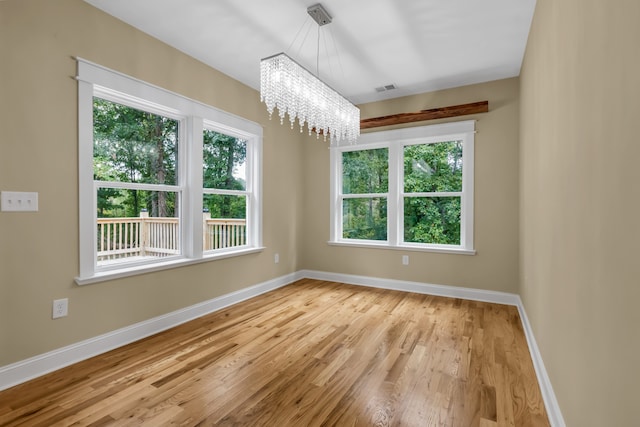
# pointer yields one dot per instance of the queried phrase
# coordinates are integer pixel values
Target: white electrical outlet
(13, 201)
(405, 259)
(276, 258)
(60, 307)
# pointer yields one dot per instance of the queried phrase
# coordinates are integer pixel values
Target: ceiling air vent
(386, 88)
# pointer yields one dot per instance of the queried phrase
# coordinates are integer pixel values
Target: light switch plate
(14, 201)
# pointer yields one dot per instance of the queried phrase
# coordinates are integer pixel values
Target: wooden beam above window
(432, 114)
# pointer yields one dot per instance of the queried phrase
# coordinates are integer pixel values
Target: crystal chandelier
(289, 87)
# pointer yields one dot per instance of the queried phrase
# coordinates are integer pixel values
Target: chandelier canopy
(289, 87)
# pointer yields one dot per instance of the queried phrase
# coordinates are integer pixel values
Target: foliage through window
(406, 188)
(365, 186)
(163, 180)
(224, 192)
(134, 169)
(430, 171)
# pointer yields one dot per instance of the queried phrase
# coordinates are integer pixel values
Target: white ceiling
(418, 45)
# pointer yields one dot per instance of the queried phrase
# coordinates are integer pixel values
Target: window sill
(367, 244)
(104, 276)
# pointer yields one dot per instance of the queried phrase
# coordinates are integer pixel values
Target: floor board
(313, 353)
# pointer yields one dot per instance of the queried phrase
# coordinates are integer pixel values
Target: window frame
(129, 101)
(342, 196)
(395, 140)
(194, 117)
(247, 192)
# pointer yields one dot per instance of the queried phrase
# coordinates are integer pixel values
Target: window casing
(173, 201)
(427, 192)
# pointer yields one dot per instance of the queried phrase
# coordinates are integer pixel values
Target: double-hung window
(365, 190)
(410, 188)
(226, 193)
(163, 180)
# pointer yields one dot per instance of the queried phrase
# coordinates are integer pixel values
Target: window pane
(433, 167)
(433, 220)
(224, 221)
(134, 225)
(131, 145)
(224, 161)
(365, 171)
(364, 218)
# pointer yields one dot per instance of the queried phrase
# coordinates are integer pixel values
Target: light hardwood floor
(309, 354)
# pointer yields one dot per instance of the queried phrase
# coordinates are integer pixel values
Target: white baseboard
(549, 397)
(417, 287)
(25, 370)
(36, 366)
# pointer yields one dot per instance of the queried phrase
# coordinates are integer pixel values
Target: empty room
(346, 213)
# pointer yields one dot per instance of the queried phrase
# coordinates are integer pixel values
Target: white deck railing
(120, 238)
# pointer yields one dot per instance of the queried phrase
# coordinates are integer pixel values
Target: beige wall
(580, 200)
(38, 152)
(495, 266)
(39, 251)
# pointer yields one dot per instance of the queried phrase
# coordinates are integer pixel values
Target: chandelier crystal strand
(294, 91)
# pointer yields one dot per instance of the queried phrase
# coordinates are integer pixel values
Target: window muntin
(428, 193)
(176, 196)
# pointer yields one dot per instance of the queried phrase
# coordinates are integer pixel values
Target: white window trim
(97, 80)
(395, 141)
(249, 192)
